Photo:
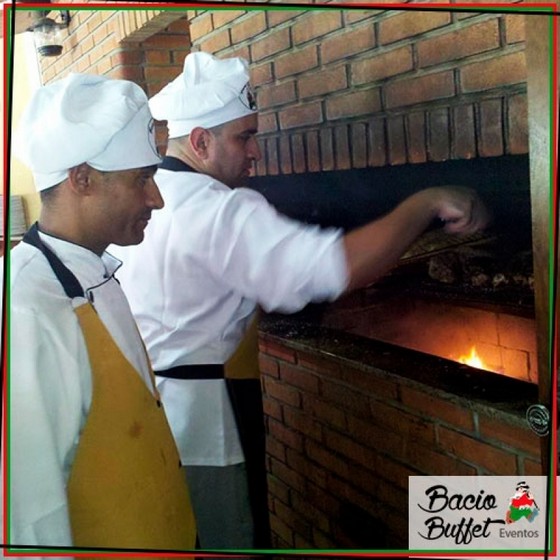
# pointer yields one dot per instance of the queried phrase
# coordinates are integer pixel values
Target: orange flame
(473, 359)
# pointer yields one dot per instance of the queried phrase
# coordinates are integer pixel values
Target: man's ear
(79, 178)
(199, 139)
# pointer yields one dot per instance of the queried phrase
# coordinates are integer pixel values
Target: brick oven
(358, 108)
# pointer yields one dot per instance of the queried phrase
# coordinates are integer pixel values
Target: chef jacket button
(158, 402)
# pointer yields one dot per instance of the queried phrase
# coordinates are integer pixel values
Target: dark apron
(126, 488)
(242, 376)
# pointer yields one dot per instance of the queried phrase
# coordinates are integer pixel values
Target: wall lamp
(47, 32)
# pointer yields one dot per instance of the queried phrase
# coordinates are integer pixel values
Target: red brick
(223, 17)
(216, 42)
(273, 168)
(277, 350)
(497, 71)
(299, 378)
(329, 461)
(408, 24)
(302, 423)
(358, 139)
(280, 528)
(353, 16)
(516, 363)
(345, 397)
(285, 155)
(438, 136)
(517, 138)
(352, 104)
(383, 65)
(160, 41)
(271, 45)
(301, 115)
(290, 477)
(342, 148)
(267, 121)
(418, 90)
(517, 332)
(316, 24)
(296, 62)
(491, 140)
(312, 150)
(298, 153)
(348, 43)
(416, 137)
(201, 26)
(434, 407)
(430, 462)
(286, 514)
(290, 438)
(277, 17)
(278, 489)
(180, 26)
(396, 140)
(305, 466)
(377, 152)
(325, 412)
(239, 50)
(350, 449)
(327, 153)
(517, 437)
(276, 448)
(491, 459)
(161, 72)
(157, 57)
(261, 74)
(281, 392)
(248, 27)
(459, 44)
(317, 362)
(375, 437)
(272, 408)
(532, 468)
(268, 366)
(320, 83)
(273, 95)
(393, 471)
(464, 132)
(514, 28)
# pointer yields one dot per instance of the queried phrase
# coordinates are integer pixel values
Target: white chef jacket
(208, 258)
(50, 379)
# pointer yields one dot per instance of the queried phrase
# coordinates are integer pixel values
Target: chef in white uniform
(215, 253)
(92, 461)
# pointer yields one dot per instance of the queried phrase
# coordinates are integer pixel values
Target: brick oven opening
(469, 300)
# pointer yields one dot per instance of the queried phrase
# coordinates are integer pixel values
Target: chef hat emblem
(247, 97)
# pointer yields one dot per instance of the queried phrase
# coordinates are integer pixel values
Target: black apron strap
(69, 282)
(194, 371)
(175, 164)
(246, 400)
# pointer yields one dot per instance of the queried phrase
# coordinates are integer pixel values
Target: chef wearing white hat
(215, 253)
(93, 462)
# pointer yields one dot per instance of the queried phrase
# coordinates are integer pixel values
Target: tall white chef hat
(209, 92)
(85, 119)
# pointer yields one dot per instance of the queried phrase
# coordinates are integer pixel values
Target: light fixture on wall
(47, 32)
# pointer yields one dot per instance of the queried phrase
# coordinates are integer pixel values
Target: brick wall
(341, 89)
(344, 436)
(337, 89)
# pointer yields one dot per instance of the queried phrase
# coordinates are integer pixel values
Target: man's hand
(460, 209)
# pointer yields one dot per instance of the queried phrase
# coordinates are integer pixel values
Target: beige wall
(26, 79)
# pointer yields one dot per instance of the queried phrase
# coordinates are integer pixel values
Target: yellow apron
(126, 488)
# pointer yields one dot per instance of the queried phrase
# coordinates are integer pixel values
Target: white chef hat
(209, 92)
(85, 119)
